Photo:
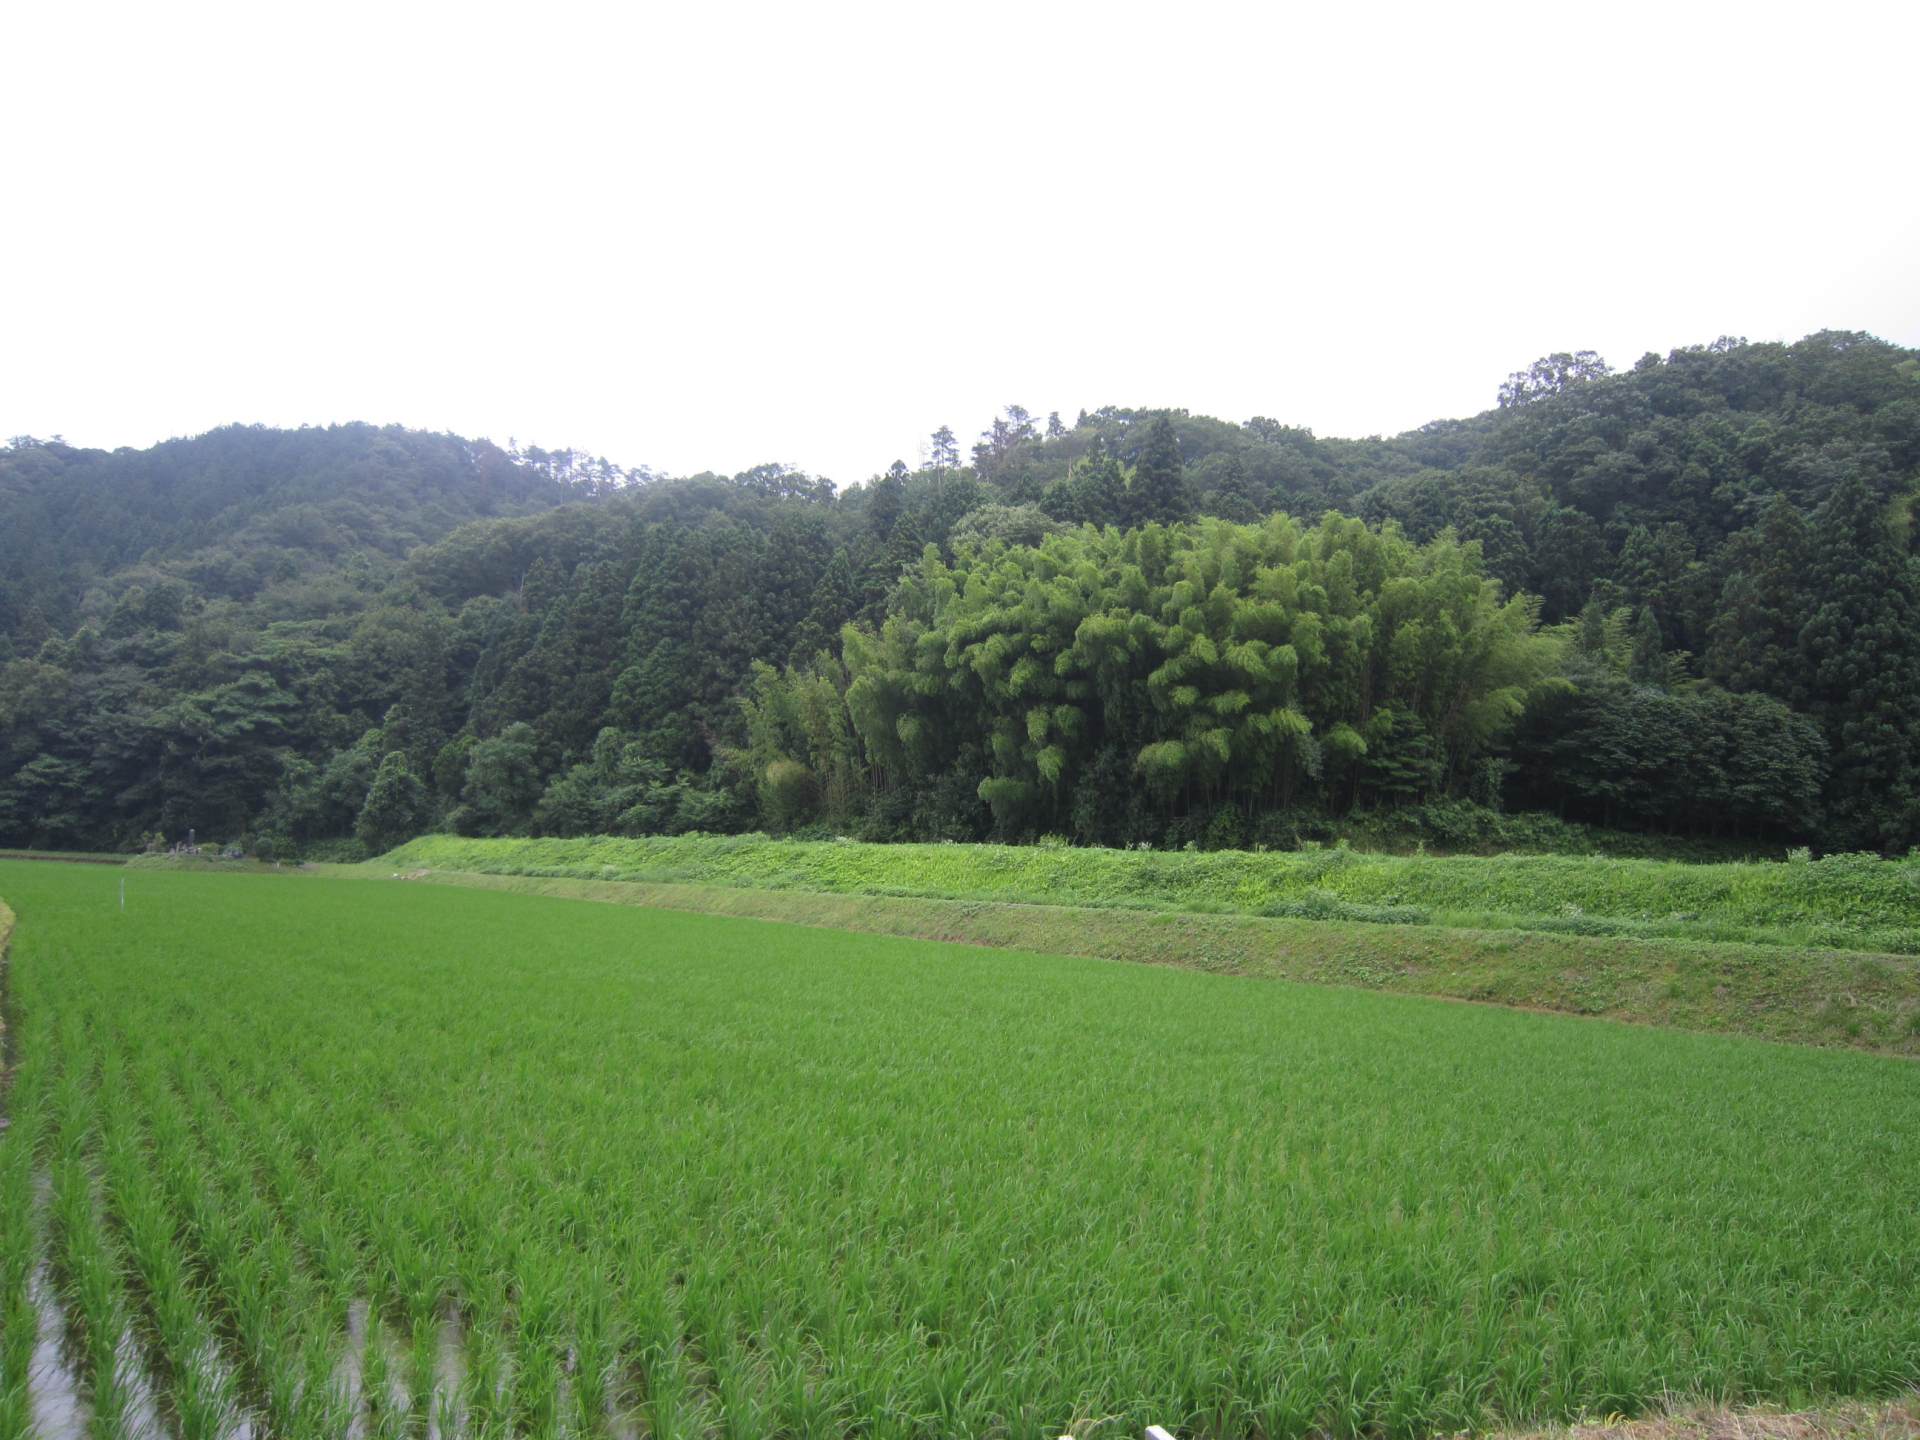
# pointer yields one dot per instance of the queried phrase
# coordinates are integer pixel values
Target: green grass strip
(1841, 902)
(1817, 997)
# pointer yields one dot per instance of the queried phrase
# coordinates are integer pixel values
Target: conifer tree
(1649, 663)
(834, 601)
(1236, 495)
(1158, 493)
(394, 805)
(1863, 662)
(1593, 629)
(1094, 492)
(1754, 636)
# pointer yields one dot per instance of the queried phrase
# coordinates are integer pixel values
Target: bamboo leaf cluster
(1205, 663)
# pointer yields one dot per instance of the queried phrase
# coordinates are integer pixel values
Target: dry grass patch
(1897, 1421)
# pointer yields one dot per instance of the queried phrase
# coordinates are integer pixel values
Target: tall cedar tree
(1863, 659)
(1159, 492)
(394, 807)
(1649, 663)
(1093, 493)
(1755, 633)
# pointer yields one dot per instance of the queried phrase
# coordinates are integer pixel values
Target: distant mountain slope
(239, 510)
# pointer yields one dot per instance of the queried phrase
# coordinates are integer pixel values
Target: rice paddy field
(318, 1157)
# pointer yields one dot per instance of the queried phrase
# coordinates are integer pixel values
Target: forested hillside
(1679, 599)
(246, 513)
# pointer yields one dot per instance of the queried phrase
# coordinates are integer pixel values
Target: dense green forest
(1680, 600)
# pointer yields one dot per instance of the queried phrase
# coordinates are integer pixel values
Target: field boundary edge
(1830, 999)
(8, 1059)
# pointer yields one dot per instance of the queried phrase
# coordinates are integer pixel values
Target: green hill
(1679, 600)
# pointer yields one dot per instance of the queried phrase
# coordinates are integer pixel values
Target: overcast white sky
(703, 236)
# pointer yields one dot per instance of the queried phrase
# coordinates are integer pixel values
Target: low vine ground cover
(1852, 902)
(702, 1176)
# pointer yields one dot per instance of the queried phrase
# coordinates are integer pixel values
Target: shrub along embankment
(1844, 902)
(68, 857)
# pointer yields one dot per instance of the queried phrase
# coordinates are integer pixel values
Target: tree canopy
(1677, 597)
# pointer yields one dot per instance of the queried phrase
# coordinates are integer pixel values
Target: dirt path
(1899, 1420)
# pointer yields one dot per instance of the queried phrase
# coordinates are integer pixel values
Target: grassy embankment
(1842, 902)
(701, 1176)
(1168, 909)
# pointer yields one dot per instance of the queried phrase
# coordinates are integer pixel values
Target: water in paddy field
(450, 1368)
(55, 1393)
(53, 1389)
(446, 1414)
(60, 1408)
(444, 1411)
(142, 1419)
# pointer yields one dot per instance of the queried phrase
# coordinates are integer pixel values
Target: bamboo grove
(1239, 668)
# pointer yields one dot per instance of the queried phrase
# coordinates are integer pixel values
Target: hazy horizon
(964, 435)
(709, 241)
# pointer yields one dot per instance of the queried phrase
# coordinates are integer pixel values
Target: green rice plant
(422, 1359)
(540, 1334)
(307, 1209)
(379, 1401)
(323, 1407)
(597, 1343)
(304, 1257)
(28, 1103)
(91, 1287)
(186, 1350)
(19, 1250)
(484, 1383)
(252, 1268)
(709, 1177)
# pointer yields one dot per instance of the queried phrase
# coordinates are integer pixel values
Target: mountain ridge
(235, 631)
